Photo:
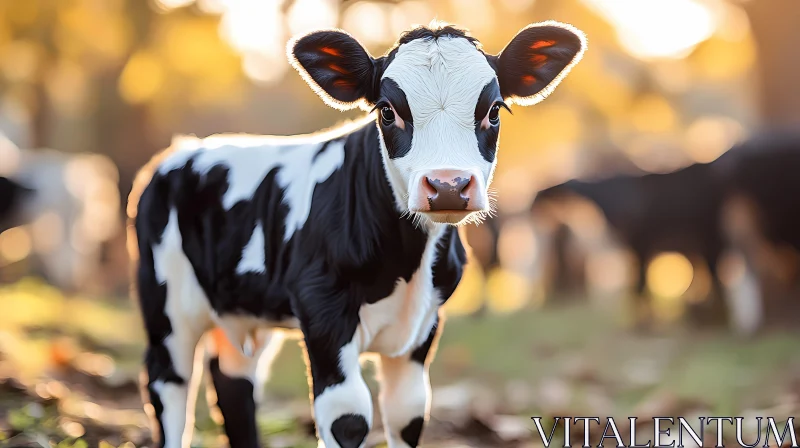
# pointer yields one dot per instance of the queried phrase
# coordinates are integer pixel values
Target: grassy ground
(68, 368)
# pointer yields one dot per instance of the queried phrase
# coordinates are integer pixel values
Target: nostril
(429, 186)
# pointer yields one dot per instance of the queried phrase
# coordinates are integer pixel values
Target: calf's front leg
(406, 393)
(342, 401)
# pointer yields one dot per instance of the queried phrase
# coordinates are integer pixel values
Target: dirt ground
(69, 368)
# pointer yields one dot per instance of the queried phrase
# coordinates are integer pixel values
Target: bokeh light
(649, 28)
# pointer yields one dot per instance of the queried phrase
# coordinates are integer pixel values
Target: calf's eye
(387, 115)
(494, 115)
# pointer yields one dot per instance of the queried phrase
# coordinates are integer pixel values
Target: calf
(347, 235)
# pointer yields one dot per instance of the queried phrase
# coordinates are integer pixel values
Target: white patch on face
(349, 397)
(442, 80)
(253, 253)
(250, 158)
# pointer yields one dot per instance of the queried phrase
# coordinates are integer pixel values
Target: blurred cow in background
(63, 228)
(651, 214)
(760, 223)
(742, 211)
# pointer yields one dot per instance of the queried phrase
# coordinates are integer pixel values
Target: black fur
(398, 141)
(153, 299)
(653, 213)
(423, 32)
(235, 401)
(449, 266)
(420, 354)
(350, 430)
(351, 251)
(487, 138)
(339, 65)
(413, 431)
(524, 71)
(683, 211)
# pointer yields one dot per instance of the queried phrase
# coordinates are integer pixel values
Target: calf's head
(437, 97)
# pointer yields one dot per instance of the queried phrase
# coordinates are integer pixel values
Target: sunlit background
(91, 89)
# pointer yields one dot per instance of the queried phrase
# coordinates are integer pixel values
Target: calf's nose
(449, 190)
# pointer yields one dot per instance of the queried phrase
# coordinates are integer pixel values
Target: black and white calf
(342, 234)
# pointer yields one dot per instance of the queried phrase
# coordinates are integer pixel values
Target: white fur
(299, 177)
(253, 253)
(397, 324)
(393, 326)
(442, 80)
(189, 313)
(405, 395)
(349, 397)
(250, 158)
(174, 416)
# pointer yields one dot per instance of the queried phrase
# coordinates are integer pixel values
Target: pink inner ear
(330, 51)
(542, 44)
(528, 79)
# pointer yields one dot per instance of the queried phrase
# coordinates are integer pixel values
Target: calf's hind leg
(239, 382)
(172, 382)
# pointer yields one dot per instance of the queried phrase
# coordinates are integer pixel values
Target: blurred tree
(76, 50)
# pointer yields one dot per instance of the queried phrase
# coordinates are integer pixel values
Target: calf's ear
(337, 67)
(536, 60)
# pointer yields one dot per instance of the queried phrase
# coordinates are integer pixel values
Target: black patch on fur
(487, 138)
(420, 354)
(351, 251)
(153, 295)
(350, 430)
(398, 141)
(235, 401)
(449, 266)
(392, 93)
(413, 431)
(424, 32)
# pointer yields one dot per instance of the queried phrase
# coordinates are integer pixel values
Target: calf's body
(224, 240)
(347, 235)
